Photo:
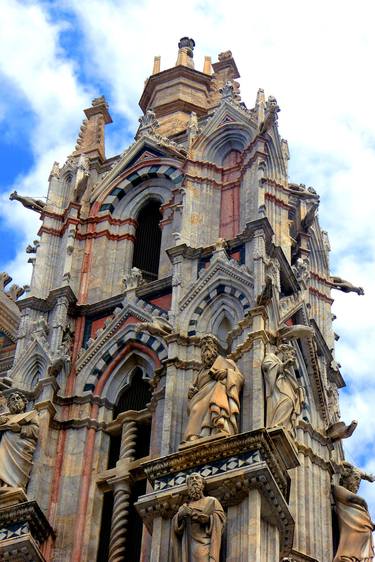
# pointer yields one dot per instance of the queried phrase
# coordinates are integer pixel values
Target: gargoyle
(265, 296)
(28, 202)
(158, 327)
(309, 218)
(344, 286)
(340, 430)
(272, 110)
(297, 331)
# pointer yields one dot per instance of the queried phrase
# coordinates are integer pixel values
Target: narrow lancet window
(148, 239)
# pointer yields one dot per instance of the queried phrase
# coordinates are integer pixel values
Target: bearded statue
(214, 397)
(19, 432)
(198, 525)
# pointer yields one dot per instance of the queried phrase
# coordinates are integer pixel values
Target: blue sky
(316, 58)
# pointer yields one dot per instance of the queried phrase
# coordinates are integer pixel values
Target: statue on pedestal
(354, 521)
(214, 402)
(284, 396)
(198, 525)
(18, 437)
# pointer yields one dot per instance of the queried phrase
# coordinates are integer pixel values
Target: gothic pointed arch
(97, 371)
(223, 284)
(31, 366)
(130, 179)
(135, 394)
(227, 136)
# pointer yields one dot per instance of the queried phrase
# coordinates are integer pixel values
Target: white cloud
(316, 58)
(34, 67)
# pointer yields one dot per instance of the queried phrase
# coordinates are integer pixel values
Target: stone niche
(247, 473)
(23, 528)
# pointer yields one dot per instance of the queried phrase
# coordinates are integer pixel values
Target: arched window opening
(135, 396)
(230, 195)
(223, 330)
(148, 240)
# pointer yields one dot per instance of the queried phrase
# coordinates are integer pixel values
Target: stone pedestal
(247, 473)
(23, 528)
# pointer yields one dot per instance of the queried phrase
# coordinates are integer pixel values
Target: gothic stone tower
(194, 229)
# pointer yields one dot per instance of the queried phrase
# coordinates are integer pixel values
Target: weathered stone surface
(107, 349)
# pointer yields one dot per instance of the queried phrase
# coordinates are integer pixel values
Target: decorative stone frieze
(23, 529)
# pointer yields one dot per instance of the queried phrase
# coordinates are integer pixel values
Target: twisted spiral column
(128, 440)
(119, 525)
(121, 495)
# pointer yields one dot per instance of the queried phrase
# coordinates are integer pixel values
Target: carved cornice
(278, 202)
(315, 459)
(247, 321)
(78, 423)
(201, 454)
(248, 343)
(317, 435)
(44, 305)
(297, 556)
(321, 296)
(181, 364)
(230, 488)
(30, 513)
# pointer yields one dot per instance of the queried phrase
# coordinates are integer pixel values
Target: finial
(147, 123)
(185, 52)
(187, 43)
(156, 68)
(207, 66)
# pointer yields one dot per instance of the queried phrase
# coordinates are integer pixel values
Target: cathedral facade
(173, 394)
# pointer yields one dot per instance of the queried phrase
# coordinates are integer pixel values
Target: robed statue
(18, 437)
(198, 525)
(284, 396)
(214, 397)
(354, 521)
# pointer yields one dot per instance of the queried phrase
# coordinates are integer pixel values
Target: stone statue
(28, 202)
(344, 286)
(133, 279)
(18, 437)
(198, 525)
(354, 521)
(214, 396)
(284, 396)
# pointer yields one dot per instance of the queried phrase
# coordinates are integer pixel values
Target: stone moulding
(231, 467)
(22, 548)
(30, 513)
(23, 528)
(274, 448)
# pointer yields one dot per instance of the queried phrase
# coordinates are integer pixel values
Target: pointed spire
(260, 105)
(185, 52)
(91, 135)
